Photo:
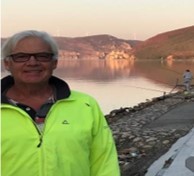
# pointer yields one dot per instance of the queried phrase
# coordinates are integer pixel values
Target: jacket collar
(61, 87)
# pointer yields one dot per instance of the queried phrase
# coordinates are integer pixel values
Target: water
(121, 83)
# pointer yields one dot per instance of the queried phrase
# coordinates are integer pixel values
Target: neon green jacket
(76, 141)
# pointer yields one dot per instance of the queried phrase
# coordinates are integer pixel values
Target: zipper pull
(40, 142)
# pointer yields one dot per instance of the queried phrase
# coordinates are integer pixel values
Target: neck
(20, 91)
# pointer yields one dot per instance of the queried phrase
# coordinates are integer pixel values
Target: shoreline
(137, 144)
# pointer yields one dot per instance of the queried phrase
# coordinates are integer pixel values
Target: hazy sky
(126, 19)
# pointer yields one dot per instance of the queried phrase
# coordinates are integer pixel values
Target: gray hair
(11, 42)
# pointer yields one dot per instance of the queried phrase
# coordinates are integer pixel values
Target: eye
(20, 57)
(44, 56)
(16, 56)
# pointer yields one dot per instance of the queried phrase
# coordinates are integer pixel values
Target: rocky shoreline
(138, 145)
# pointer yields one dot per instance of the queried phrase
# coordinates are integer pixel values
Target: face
(31, 71)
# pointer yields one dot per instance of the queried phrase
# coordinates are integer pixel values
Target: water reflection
(123, 66)
(101, 70)
(110, 70)
(163, 72)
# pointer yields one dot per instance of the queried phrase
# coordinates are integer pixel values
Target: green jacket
(76, 141)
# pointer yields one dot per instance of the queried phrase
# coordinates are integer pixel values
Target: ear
(6, 64)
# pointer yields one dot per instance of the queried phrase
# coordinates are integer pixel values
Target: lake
(121, 83)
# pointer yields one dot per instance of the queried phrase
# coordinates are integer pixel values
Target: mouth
(32, 71)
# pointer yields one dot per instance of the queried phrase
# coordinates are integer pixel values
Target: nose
(32, 60)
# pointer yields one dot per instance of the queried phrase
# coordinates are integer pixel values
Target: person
(187, 78)
(47, 128)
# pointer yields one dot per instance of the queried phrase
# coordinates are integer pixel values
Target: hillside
(176, 44)
(92, 47)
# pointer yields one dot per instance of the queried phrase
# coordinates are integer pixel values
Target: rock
(165, 142)
(138, 146)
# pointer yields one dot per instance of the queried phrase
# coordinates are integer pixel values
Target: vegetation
(178, 44)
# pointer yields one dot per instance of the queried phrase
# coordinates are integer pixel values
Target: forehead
(31, 44)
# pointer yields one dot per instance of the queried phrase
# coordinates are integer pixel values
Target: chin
(33, 80)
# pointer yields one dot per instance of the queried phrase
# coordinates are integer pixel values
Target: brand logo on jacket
(65, 122)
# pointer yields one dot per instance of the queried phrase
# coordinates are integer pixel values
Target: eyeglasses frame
(30, 55)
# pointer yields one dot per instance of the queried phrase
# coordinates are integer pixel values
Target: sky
(125, 19)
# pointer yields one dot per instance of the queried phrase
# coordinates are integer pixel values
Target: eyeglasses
(23, 57)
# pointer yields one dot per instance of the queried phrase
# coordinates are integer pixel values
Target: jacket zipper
(41, 133)
(40, 142)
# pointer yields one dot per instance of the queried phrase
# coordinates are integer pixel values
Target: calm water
(121, 83)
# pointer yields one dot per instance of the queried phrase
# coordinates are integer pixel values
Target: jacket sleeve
(103, 156)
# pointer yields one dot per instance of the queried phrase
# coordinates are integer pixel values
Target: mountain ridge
(175, 44)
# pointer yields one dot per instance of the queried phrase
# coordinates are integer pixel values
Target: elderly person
(48, 129)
